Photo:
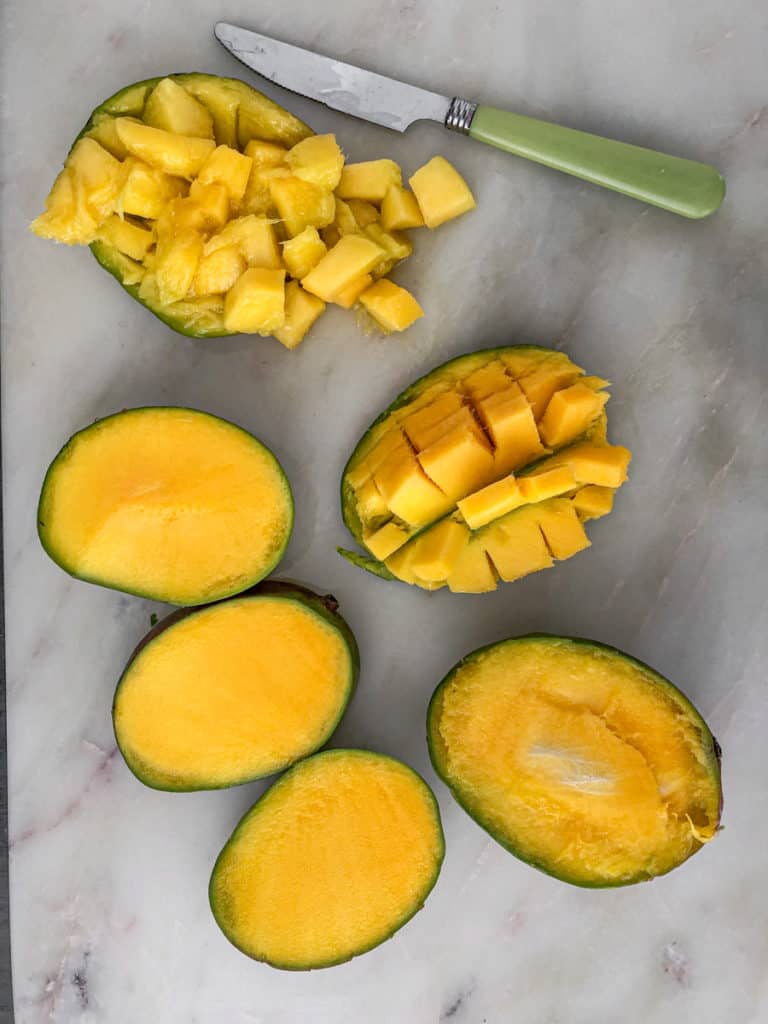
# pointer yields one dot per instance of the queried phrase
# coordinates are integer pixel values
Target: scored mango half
(578, 759)
(485, 469)
(222, 213)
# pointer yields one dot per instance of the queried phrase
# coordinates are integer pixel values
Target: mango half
(237, 690)
(487, 468)
(578, 759)
(330, 862)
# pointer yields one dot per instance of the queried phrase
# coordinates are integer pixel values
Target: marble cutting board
(110, 923)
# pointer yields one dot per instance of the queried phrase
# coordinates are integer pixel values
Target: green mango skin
(710, 749)
(325, 607)
(284, 780)
(129, 102)
(59, 463)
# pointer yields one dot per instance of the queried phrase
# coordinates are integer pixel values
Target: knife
(684, 187)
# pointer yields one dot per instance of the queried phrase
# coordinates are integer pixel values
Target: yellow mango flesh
(221, 697)
(170, 503)
(579, 760)
(490, 502)
(301, 204)
(368, 180)
(592, 502)
(399, 210)
(350, 258)
(436, 552)
(132, 239)
(441, 192)
(330, 862)
(147, 191)
(303, 252)
(318, 160)
(386, 540)
(180, 155)
(301, 311)
(255, 239)
(225, 166)
(460, 434)
(217, 272)
(348, 296)
(171, 108)
(255, 304)
(392, 307)
(569, 413)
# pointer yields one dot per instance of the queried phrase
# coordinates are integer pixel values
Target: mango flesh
(330, 862)
(235, 691)
(438, 463)
(167, 503)
(189, 163)
(576, 758)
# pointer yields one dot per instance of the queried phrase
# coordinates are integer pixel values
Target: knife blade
(686, 187)
(343, 87)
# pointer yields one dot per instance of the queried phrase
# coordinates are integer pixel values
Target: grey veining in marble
(110, 923)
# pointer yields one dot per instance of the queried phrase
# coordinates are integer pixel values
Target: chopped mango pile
(486, 469)
(217, 228)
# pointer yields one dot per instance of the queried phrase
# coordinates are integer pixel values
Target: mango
(441, 192)
(368, 180)
(392, 307)
(317, 160)
(350, 258)
(301, 311)
(399, 210)
(303, 252)
(255, 304)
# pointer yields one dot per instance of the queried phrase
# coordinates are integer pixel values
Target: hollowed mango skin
(284, 129)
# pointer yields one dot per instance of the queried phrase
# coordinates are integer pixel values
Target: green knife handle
(682, 186)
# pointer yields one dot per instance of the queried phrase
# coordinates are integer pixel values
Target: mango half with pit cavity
(578, 759)
(485, 469)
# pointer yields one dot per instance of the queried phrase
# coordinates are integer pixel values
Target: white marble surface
(110, 923)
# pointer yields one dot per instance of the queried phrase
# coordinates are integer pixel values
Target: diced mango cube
(423, 425)
(317, 159)
(508, 418)
(392, 307)
(371, 506)
(368, 180)
(344, 221)
(303, 252)
(409, 494)
(227, 167)
(255, 304)
(390, 442)
(147, 191)
(400, 210)
(181, 155)
(223, 103)
(399, 564)
(561, 527)
(212, 200)
(491, 502)
(350, 258)
(602, 464)
(301, 204)
(258, 198)
(348, 296)
(386, 540)
(487, 381)
(441, 192)
(176, 264)
(301, 311)
(397, 247)
(218, 271)
(569, 414)
(105, 133)
(540, 385)
(459, 463)
(365, 213)
(129, 238)
(472, 572)
(171, 108)
(548, 482)
(516, 546)
(436, 551)
(265, 154)
(255, 238)
(592, 502)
